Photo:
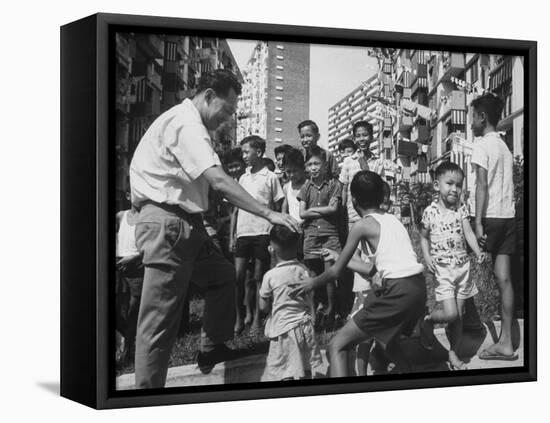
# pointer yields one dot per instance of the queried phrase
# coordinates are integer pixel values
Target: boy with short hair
(319, 202)
(309, 136)
(443, 237)
(495, 211)
(293, 351)
(252, 232)
(346, 148)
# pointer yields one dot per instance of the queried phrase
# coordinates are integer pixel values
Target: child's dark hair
(283, 236)
(269, 164)
(255, 141)
(232, 156)
(294, 158)
(368, 189)
(489, 104)
(282, 149)
(308, 122)
(447, 167)
(363, 124)
(317, 151)
(346, 143)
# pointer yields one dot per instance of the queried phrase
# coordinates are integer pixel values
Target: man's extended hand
(284, 219)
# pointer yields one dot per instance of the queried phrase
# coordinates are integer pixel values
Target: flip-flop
(453, 367)
(486, 355)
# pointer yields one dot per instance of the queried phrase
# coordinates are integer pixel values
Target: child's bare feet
(248, 318)
(498, 352)
(456, 363)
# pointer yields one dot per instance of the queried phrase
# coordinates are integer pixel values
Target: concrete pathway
(251, 368)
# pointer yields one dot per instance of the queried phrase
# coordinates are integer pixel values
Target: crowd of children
(347, 225)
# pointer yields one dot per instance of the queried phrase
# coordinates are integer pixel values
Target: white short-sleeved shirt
(170, 159)
(350, 166)
(264, 186)
(286, 312)
(292, 200)
(491, 153)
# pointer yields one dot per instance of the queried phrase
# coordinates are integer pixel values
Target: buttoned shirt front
(321, 196)
(170, 160)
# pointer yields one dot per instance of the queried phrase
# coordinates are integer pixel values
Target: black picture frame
(87, 196)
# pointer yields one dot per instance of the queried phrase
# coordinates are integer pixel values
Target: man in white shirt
(495, 211)
(171, 172)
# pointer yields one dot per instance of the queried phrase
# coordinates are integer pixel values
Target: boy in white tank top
(399, 301)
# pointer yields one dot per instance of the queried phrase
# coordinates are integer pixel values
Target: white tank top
(126, 238)
(394, 257)
(293, 203)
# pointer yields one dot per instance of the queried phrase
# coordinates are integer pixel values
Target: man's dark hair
(368, 189)
(255, 141)
(317, 151)
(283, 236)
(232, 156)
(269, 164)
(282, 149)
(308, 122)
(447, 167)
(363, 124)
(294, 158)
(489, 104)
(346, 143)
(221, 81)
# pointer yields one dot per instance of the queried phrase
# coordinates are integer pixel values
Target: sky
(334, 72)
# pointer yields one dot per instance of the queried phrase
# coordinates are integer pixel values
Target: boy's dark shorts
(501, 235)
(313, 244)
(253, 247)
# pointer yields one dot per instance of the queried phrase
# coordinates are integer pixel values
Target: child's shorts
(313, 244)
(393, 309)
(501, 235)
(253, 247)
(294, 354)
(453, 281)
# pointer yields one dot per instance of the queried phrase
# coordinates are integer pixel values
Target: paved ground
(251, 368)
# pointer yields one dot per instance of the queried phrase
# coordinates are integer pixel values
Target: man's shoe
(207, 360)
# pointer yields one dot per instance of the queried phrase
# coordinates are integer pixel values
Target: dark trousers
(176, 250)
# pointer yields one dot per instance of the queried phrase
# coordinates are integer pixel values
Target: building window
(280, 47)
(279, 87)
(279, 119)
(279, 109)
(278, 129)
(279, 78)
(280, 67)
(279, 98)
(279, 57)
(277, 139)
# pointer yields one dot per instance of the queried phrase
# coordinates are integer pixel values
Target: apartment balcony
(405, 123)
(453, 65)
(420, 133)
(456, 101)
(151, 45)
(387, 125)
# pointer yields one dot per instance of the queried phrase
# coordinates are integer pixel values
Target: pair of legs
(452, 314)
(247, 293)
(347, 338)
(176, 249)
(503, 276)
(316, 267)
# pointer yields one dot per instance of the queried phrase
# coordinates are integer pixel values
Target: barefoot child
(399, 301)
(293, 351)
(443, 236)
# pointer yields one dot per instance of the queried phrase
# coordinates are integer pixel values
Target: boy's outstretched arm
(425, 247)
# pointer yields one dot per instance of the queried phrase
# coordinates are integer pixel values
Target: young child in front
(319, 204)
(399, 301)
(293, 352)
(445, 229)
(252, 232)
(495, 225)
(293, 163)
